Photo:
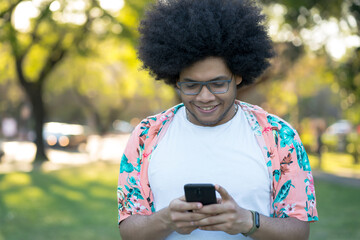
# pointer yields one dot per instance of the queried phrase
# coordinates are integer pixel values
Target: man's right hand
(180, 216)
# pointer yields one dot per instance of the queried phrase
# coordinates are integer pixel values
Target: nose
(205, 95)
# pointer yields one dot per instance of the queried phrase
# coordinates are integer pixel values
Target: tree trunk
(35, 95)
(33, 91)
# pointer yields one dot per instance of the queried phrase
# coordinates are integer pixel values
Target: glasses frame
(207, 86)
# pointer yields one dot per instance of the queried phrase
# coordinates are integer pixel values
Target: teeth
(207, 108)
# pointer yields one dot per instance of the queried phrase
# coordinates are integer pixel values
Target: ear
(177, 88)
(238, 80)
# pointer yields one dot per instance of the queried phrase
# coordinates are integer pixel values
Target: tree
(108, 85)
(324, 81)
(325, 30)
(57, 30)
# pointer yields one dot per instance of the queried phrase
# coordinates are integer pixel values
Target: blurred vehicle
(335, 136)
(122, 126)
(65, 135)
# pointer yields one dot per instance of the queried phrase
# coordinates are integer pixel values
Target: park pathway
(349, 181)
(108, 149)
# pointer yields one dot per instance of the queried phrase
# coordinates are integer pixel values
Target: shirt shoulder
(153, 124)
(266, 120)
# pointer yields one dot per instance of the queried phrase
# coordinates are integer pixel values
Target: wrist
(255, 220)
(249, 222)
(164, 218)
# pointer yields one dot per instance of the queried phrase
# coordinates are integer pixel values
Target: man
(207, 49)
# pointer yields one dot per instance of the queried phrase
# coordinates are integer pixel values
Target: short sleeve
(293, 183)
(130, 197)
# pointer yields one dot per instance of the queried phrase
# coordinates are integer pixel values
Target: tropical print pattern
(293, 192)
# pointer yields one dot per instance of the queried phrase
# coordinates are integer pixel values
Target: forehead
(206, 69)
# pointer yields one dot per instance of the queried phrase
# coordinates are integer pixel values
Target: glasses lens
(194, 88)
(220, 86)
(191, 88)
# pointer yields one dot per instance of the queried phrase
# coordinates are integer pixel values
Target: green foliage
(82, 52)
(326, 9)
(7, 70)
(105, 83)
(317, 83)
(93, 62)
(302, 92)
(348, 75)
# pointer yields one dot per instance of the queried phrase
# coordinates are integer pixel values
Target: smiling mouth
(207, 109)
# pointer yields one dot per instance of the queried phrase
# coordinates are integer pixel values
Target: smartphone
(200, 192)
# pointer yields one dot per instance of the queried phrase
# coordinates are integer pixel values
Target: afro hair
(174, 34)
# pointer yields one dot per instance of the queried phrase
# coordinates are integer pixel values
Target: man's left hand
(225, 216)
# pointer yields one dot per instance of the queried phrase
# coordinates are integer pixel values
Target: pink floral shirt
(292, 190)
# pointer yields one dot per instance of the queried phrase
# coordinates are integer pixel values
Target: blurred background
(72, 90)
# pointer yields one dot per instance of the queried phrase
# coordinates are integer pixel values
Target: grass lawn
(339, 212)
(75, 203)
(80, 203)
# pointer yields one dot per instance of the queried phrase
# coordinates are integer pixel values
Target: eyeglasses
(194, 88)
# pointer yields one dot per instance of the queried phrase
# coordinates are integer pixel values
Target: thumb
(223, 193)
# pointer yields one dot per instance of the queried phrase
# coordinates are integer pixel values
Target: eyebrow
(214, 79)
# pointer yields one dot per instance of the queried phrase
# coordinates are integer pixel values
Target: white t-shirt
(227, 154)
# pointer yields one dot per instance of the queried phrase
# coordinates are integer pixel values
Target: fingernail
(198, 205)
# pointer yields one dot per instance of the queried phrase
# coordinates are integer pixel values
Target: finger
(214, 209)
(212, 220)
(182, 206)
(223, 193)
(180, 225)
(187, 216)
(186, 230)
(218, 227)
